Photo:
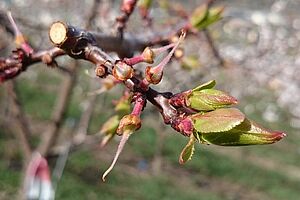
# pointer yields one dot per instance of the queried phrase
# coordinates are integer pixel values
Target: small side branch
(21, 122)
(50, 135)
(127, 9)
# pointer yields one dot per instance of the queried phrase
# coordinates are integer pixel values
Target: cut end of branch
(58, 33)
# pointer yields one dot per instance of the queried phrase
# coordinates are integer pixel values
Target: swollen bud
(153, 76)
(129, 124)
(122, 71)
(148, 55)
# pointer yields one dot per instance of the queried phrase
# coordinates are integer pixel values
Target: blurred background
(253, 54)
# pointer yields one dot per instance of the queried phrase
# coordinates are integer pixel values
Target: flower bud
(148, 55)
(153, 76)
(122, 71)
(129, 124)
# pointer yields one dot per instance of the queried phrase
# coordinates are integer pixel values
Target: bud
(230, 127)
(209, 99)
(148, 55)
(20, 40)
(101, 71)
(109, 128)
(122, 71)
(129, 124)
(179, 53)
(203, 98)
(153, 76)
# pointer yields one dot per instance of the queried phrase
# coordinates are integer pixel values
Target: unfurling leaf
(188, 151)
(109, 128)
(199, 15)
(220, 120)
(247, 133)
(207, 85)
(203, 17)
(123, 106)
(209, 99)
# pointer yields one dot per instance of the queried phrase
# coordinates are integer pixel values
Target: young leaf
(209, 99)
(213, 15)
(199, 15)
(247, 133)
(220, 120)
(196, 102)
(207, 85)
(188, 151)
(108, 129)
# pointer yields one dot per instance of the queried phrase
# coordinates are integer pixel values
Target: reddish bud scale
(179, 100)
(184, 125)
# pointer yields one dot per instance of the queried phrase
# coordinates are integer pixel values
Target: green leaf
(199, 15)
(220, 120)
(111, 125)
(188, 151)
(213, 15)
(207, 85)
(109, 129)
(247, 133)
(196, 102)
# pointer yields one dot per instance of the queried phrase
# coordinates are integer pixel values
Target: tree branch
(23, 132)
(50, 135)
